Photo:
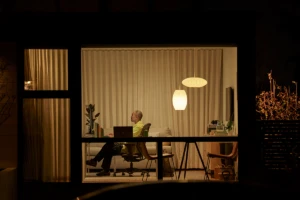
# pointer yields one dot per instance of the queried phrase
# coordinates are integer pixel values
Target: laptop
(123, 131)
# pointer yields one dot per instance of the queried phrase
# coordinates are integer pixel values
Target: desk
(160, 140)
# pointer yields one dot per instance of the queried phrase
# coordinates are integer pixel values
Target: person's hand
(110, 135)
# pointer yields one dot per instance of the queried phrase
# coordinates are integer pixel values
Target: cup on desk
(100, 132)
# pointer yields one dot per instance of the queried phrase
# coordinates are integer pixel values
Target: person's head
(136, 116)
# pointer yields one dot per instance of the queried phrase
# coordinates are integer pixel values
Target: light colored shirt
(137, 129)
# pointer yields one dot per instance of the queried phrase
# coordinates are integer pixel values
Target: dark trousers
(107, 152)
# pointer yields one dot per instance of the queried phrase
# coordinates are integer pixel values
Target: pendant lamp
(194, 82)
(179, 100)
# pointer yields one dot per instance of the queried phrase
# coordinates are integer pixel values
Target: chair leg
(144, 171)
(207, 168)
(130, 170)
(147, 170)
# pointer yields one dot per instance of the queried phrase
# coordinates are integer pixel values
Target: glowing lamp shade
(195, 82)
(179, 100)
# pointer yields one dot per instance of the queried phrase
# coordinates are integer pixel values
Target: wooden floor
(190, 175)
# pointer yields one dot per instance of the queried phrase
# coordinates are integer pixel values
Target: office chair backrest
(141, 146)
(145, 128)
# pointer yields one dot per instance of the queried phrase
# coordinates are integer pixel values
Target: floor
(137, 177)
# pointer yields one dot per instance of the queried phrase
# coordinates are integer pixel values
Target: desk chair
(232, 156)
(130, 157)
(142, 148)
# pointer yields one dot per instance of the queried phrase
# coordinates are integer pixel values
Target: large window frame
(70, 93)
(145, 47)
(240, 35)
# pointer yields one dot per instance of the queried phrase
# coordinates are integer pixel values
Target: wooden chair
(232, 156)
(142, 148)
(131, 157)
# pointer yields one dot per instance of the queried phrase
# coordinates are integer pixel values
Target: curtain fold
(47, 68)
(47, 121)
(120, 80)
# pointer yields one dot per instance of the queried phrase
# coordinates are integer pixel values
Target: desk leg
(201, 159)
(186, 158)
(183, 155)
(159, 171)
(88, 150)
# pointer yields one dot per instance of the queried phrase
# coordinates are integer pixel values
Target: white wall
(230, 79)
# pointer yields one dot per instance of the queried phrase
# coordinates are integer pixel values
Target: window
(46, 69)
(120, 80)
(46, 115)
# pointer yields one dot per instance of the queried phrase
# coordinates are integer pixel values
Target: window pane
(46, 69)
(144, 69)
(47, 139)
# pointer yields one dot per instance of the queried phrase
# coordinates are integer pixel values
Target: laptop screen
(123, 131)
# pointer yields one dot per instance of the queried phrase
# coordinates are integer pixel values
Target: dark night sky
(278, 49)
(277, 34)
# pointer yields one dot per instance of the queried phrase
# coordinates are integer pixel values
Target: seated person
(115, 148)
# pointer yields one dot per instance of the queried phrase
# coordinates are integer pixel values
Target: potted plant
(90, 109)
(278, 103)
(278, 130)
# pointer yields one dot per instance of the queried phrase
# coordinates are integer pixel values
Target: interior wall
(230, 79)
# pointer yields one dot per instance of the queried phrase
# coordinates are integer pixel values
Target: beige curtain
(120, 80)
(47, 121)
(47, 68)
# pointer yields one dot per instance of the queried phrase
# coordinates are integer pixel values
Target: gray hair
(139, 114)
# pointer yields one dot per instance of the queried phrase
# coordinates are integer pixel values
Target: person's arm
(111, 135)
